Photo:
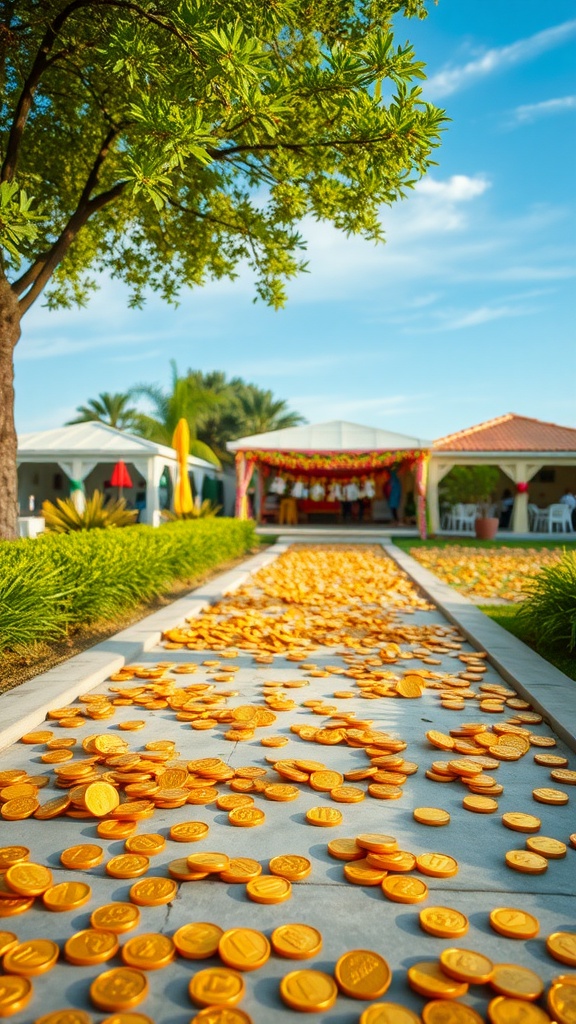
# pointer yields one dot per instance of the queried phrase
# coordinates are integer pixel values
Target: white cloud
(451, 79)
(319, 408)
(458, 189)
(530, 112)
(484, 315)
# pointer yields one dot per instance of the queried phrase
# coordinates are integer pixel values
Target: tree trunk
(9, 335)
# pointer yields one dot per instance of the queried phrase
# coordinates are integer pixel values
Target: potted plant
(474, 485)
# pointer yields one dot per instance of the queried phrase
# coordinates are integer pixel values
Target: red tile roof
(510, 433)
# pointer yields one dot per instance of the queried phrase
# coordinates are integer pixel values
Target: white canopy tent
(86, 453)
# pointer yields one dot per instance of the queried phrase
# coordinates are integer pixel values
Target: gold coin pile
(376, 859)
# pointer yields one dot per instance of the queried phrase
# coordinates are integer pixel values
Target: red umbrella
(120, 476)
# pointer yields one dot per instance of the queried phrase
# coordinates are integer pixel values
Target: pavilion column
(244, 471)
(520, 472)
(433, 501)
(151, 514)
(421, 475)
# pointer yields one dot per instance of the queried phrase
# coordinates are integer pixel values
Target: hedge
(57, 581)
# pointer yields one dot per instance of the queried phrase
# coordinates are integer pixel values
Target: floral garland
(356, 462)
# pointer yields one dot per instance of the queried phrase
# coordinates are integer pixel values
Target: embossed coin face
(550, 796)
(429, 980)
(345, 849)
(402, 889)
(517, 982)
(82, 857)
(100, 798)
(296, 941)
(325, 817)
(465, 965)
(147, 843)
(15, 994)
(65, 1017)
(562, 946)
(526, 862)
(29, 958)
(515, 924)
(503, 1010)
(12, 855)
(127, 865)
(90, 947)
(437, 865)
(375, 842)
(115, 917)
(362, 872)
(290, 866)
(431, 816)
(362, 974)
(520, 822)
(119, 989)
(66, 896)
(246, 817)
(241, 869)
(562, 1001)
(443, 922)
(220, 1015)
(197, 941)
(552, 849)
(388, 1013)
(244, 949)
(269, 889)
(153, 892)
(211, 863)
(217, 986)
(188, 831)
(148, 952)
(443, 1011)
(7, 940)
(27, 879)
(308, 991)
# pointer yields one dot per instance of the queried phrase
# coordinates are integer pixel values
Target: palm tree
(113, 410)
(261, 412)
(187, 399)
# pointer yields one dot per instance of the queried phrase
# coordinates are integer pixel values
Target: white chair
(533, 513)
(559, 515)
(464, 517)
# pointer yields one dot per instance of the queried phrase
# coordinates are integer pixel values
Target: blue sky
(466, 313)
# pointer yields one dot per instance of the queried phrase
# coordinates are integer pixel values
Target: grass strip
(509, 618)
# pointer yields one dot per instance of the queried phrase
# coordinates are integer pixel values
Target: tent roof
(95, 440)
(334, 436)
(510, 433)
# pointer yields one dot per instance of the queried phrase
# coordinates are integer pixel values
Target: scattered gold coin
(515, 924)
(562, 946)
(217, 986)
(296, 941)
(244, 949)
(362, 974)
(308, 991)
(443, 922)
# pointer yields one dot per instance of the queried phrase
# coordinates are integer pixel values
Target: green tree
(260, 412)
(113, 410)
(167, 141)
(187, 400)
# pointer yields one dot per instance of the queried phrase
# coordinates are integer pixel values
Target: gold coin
(269, 889)
(464, 965)
(325, 817)
(308, 991)
(290, 866)
(526, 862)
(398, 862)
(516, 982)
(147, 843)
(443, 922)
(480, 804)
(15, 994)
(19, 808)
(520, 822)
(100, 798)
(188, 831)
(562, 1000)
(10, 855)
(65, 1017)
(119, 989)
(324, 781)
(437, 865)
(296, 941)
(82, 857)
(345, 849)
(34, 957)
(550, 796)
(127, 865)
(551, 760)
(503, 1010)
(7, 940)
(115, 829)
(241, 869)
(178, 869)
(17, 790)
(402, 889)
(148, 952)
(27, 879)
(211, 863)
(563, 775)
(562, 946)
(431, 816)
(442, 1011)
(90, 947)
(429, 980)
(515, 924)
(381, 792)
(440, 740)
(362, 974)
(66, 896)
(362, 872)
(41, 736)
(197, 941)
(244, 949)
(375, 842)
(553, 849)
(246, 817)
(388, 1013)
(153, 892)
(18, 905)
(115, 917)
(217, 986)
(218, 1015)
(281, 792)
(230, 800)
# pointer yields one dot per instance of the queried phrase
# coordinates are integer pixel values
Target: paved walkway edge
(26, 707)
(550, 692)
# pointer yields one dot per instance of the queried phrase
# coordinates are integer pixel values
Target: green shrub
(549, 613)
(57, 581)
(64, 517)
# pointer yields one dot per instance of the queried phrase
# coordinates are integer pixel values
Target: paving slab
(348, 916)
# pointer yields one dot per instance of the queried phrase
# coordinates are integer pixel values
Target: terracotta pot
(486, 528)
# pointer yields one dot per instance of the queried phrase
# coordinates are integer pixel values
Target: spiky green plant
(549, 613)
(199, 510)
(64, 517)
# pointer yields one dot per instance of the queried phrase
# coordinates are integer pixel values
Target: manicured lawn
(507, 617)
(560, 541)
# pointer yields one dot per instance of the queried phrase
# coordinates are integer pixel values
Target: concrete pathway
(348, 916)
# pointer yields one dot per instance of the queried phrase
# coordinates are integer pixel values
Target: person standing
(569, 499)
